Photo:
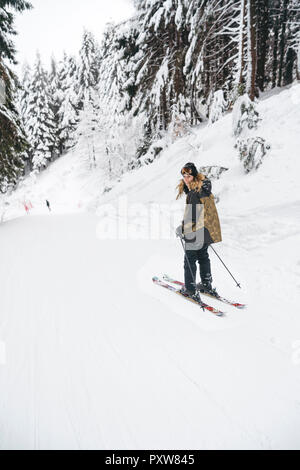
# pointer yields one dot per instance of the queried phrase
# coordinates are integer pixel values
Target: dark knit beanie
(190, 168)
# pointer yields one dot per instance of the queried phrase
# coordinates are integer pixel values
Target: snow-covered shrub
(212, 172)
(152, 153)
(178, 126)
(244, 115)
(252, 152)
(218, 106)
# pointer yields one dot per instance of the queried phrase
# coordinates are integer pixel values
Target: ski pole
(237, 283)
(190, 268)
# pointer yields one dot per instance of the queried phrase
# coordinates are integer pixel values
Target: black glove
(206, 187)
(178, 231)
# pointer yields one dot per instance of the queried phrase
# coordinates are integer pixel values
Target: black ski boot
(206, 288)
(192, 295)
(186, 292)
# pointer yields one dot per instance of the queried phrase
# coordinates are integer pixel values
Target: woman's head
(189, 169)
(191, 179)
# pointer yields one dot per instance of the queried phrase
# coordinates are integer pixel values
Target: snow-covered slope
(93, 355)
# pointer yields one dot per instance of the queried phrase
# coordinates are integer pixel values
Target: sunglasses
(186, 174)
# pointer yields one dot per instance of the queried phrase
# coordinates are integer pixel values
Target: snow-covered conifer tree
(88, 68)
(87, 78)
(244, 115)
(12, 137)
(67, 99)
(119, 131)
(55, 94)
(87, 132)
(23, 105)
(41, 122)
(217, 107)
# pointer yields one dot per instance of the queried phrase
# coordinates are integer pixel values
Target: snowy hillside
(94, 355)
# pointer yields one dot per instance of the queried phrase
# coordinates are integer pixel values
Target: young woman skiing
(199, 228)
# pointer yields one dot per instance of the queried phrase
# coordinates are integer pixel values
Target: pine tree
(55, 95)
(88, 130)
(23, 100)
(7, 48)
(67, 99)
(120, 130)
(41, 122)
(12, 137)
(88, 68)
(13, 141)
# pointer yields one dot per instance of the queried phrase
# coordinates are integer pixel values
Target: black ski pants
(190, 260)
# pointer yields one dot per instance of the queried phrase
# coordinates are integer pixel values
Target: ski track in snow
(98, 357)
(94, 364)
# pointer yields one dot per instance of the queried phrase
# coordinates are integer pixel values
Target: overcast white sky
(53, 26)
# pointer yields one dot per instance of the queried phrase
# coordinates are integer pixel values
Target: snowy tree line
(12, 135)
(174, 64)
(49, 110)
(188, 50)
